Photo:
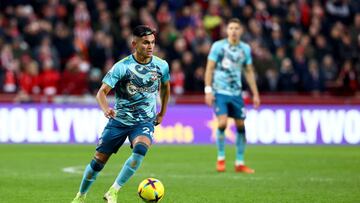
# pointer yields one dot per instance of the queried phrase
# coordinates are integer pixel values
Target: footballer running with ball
(136, 80)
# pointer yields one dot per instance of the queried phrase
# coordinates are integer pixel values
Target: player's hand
(110, 113)
(209, 99)
(256, 101)
(158, 119)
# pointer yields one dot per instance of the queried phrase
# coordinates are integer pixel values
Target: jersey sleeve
(165, 72)
(214, 52)
(248, 58)
(114, 75)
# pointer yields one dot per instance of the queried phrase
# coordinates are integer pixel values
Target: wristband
(208, 89)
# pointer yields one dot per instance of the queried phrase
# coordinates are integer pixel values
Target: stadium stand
(64, 47)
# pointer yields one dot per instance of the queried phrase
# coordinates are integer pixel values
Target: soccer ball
(151, 190)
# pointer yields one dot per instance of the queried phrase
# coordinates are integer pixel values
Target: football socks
(220, 143)
(129, 168)
(240, 148)
(88, 178)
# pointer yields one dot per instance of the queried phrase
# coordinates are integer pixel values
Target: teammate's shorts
(115, 134)
(232, 106)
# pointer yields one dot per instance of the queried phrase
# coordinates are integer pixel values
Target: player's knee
(96, 165)
(140, 148)
(241, 129)
(222, 128)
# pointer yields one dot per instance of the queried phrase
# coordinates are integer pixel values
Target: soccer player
(227, 59)
(136, 79)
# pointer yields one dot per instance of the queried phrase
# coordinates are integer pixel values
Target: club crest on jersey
(226, 63)
(150, 78)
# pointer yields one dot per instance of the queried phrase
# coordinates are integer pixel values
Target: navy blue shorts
(232, 106)
(115, 134)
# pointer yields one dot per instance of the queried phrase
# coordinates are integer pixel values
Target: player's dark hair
(234, 20)
(143, 30)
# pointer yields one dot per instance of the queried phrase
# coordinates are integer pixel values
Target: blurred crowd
(52, 47)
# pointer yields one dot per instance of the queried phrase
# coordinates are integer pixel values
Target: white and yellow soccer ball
(151, 190)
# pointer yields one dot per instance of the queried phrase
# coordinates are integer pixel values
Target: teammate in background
(226, 60)
(136, 80)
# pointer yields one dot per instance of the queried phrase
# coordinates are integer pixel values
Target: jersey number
(147, 130)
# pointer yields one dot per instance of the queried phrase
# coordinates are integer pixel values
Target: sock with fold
(128, 170)
(91, 172)
(240, 146)
(220, 143)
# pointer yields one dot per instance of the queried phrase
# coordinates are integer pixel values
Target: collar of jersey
(235, 45)
(140, 62)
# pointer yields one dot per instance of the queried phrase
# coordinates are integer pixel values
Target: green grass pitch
(35, 173)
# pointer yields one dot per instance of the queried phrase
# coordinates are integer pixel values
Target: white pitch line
(80, 170)
(74, 169)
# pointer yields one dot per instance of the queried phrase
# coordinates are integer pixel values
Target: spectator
(276, 8)
(163, 16)
(346, 48)
(198, 84)
(97, 50)
(46, 51)
(279, 56)
(29, 82)
(321, 47)
(9, 67)
(74, 78)
(180, 47)
(189, 66)
(184, 18)
(288, 79)
(177, 78)
(276, 39)
(347, 79)
(200, 38)
(271, 81)
(95, 78)
(255, 33)
(49, 78)
(285, 37)
(330, 71)
(355, 29)
(314, 78)
(196, 15)
(212, 20)
(63, 42)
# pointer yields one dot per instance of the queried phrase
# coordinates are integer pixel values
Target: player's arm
(102, 101)
(164, 97)
(209, 72)
(250, 79)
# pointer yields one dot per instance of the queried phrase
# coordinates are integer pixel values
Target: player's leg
(220, 142)
(240, 148)
(221, 111)
(237, 111)
(141, 139)
(141, 145)
(112, 138)
(92, 170)
(89, 176)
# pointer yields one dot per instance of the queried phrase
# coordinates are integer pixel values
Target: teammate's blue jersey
(230, 60)
(136, 88)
